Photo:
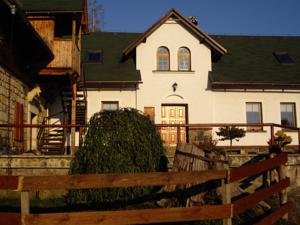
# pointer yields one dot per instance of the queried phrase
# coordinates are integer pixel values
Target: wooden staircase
(54, 142)
(51, 141)
(81, 106)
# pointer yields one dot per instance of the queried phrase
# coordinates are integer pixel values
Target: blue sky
(247, 17)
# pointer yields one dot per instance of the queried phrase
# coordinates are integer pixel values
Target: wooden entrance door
(173, 115)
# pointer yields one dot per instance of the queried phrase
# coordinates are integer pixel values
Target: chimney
(193, 19)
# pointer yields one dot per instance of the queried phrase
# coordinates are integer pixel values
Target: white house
(177, 74)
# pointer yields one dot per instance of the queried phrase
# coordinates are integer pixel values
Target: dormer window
(163, 58)
(95, 56)
(284, 58)
(184, 59)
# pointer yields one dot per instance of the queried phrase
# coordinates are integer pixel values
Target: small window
(284, 58)
(254, 115)
(184, 59)
(94, 57)
(288, 115)
(163, 58)
(110, 106)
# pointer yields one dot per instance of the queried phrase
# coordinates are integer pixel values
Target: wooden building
(60, 24)
(40, 44)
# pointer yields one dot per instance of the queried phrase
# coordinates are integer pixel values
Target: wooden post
(298, 140)
(73, 117)
(283, 194)
(226, 199)
(178, 134)
(272, 135)
(73, 42)
(25, 204)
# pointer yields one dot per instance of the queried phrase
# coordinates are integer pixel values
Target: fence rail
(177, 130)
(225, 211)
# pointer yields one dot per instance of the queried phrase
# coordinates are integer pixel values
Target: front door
(173, 114)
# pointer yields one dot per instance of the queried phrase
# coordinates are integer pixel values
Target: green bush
(123, 141)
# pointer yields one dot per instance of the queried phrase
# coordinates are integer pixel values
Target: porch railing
(267, 133)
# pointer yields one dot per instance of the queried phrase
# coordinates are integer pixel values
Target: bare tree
(96, 15)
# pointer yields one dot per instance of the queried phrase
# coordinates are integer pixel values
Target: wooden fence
(225, 211)
(270, 129)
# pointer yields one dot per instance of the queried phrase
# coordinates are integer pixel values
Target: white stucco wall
(125, 97)
(230, 107)
(156, 88)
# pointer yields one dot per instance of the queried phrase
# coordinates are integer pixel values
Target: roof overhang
(112, 84)
(254, 85)
(217, 49)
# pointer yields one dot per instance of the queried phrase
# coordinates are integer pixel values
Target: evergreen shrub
(122, 141)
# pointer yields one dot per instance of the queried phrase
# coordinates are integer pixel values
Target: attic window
(94, 57)
(284, 58)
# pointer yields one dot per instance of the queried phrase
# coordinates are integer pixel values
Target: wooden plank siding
(34, 183)
(44, 25)
(145, 216)
(62, 50)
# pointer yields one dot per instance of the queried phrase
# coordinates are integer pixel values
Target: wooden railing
(270, 129)
(225, 211)
(270, 126)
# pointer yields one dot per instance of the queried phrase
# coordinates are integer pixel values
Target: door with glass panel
(172, 114)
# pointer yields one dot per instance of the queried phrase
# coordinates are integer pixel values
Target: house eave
(255, 85)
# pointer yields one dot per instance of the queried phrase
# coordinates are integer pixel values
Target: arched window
(163, 58)
(184, 59)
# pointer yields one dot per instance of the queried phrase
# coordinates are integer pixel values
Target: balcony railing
(251, 139)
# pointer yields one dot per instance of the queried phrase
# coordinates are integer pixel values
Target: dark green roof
(111, 68)
(51, 5)
(250, 59)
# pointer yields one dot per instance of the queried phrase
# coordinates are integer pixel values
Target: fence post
(25, 205)
(226, 199)
(298, 140)
(272, 135)
(283, 194)
(178, 134)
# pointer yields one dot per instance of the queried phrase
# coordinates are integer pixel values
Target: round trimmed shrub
(123, 141)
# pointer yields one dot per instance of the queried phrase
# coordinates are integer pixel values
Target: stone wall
(12, 90)
(32, 165)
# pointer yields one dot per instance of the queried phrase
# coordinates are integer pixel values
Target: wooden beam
(25, 203)
(256, 168)
(73, 117)
(276, 215)
(249, 201)
(10, 218)
(132, 216)
(9, 182)
(55, 71)
(34, 183)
